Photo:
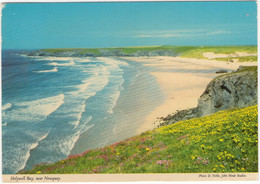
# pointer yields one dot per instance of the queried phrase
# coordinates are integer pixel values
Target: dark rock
(222, 71)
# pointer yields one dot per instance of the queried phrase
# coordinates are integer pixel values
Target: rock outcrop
(237, 89)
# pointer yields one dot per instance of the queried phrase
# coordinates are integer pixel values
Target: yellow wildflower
(39, 172)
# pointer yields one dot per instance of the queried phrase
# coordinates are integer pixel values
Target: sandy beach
(182, 80)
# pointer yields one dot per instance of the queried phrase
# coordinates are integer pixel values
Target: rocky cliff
(237, 89)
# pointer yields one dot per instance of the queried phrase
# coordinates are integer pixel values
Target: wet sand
(141, 95)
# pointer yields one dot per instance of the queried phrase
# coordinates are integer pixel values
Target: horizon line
(128, 47)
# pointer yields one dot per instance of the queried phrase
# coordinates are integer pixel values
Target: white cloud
(179, 33)
(218, 32)
(157, 35)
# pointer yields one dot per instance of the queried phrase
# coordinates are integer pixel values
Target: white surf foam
(114, 62)
(17, 154)
(31, 147)
(43, 137)
(65, 144)
(14, 158)
(46, 71)
(35, 111)
(116, 80)
(79, 115)
(51, 58)
(70, 63)
(113, 101)
(6, 106)
(83, 60)
(92, 85)
(38, 110)
(4, 124)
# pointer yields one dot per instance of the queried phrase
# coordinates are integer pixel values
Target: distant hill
(183, 51)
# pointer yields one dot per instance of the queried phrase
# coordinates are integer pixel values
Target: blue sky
(91, 25)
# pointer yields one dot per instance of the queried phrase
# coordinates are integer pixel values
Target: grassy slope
(223, 142)
(183, 51)
(198, 51)
(253, 69)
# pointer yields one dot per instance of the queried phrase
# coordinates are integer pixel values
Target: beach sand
(162, 85)
(140, 96)
(182, 80)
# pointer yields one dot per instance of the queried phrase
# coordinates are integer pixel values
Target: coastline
(162, 85)
(140, 96)
(182, 80)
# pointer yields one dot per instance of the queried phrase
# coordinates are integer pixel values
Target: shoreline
(182, 80)
(140, 96)
(164, 84)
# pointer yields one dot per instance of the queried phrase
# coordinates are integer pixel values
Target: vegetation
(126, 50)
(198, 51)
(175, 49)
(240, 59)
(183, 51)
(79, 50)
(223, 142)
(253, 69)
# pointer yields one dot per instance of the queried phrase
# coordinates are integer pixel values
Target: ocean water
(45, 104)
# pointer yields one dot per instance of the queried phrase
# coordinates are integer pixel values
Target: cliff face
(233, 90)
(238, 89)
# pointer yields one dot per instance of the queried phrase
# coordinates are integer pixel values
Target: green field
(224, 142)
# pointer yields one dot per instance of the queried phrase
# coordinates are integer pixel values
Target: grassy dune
(223, 142)
(198, 51)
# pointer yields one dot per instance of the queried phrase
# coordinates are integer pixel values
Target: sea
(53, 107)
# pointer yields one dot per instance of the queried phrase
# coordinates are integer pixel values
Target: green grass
(240, 59)
(253, 69)
(248, 68)
(126, 50)
(223, 142)
(183, 51)
(175, 49)
(79, 50)
(198, 51)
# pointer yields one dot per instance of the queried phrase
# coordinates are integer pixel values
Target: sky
(114, 24)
